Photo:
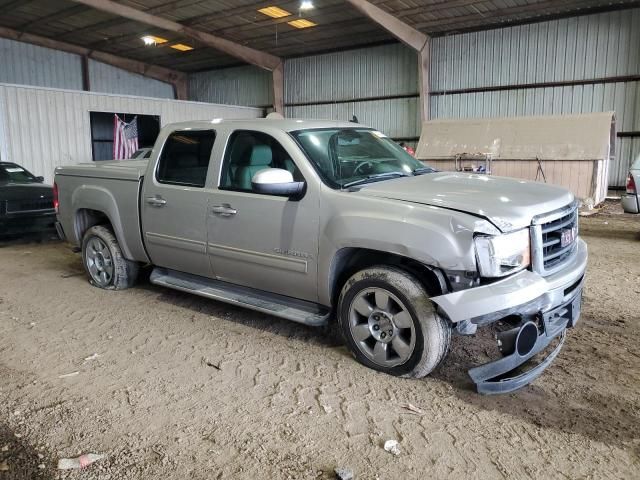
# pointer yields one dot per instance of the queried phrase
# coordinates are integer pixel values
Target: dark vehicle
(26, 204)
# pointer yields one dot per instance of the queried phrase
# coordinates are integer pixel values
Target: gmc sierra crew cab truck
(322, 221)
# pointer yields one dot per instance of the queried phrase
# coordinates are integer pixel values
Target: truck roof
(286, 124)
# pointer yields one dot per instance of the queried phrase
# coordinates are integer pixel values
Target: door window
(249, 152)
(185, 158)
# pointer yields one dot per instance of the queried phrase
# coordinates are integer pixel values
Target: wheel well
(87, 218)
(348, 261)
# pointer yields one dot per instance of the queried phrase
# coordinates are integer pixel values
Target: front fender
(433, 236)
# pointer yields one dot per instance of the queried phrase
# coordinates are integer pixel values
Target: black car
(26, 204)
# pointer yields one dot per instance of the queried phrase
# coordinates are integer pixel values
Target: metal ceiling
(339, 26)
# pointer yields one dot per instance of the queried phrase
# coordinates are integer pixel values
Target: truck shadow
(47, 236)
(604, 418)
(19, 460)
(562, 399)
(322, 336)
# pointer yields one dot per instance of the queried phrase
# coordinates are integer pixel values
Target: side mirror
(40, 179)
(277, 181)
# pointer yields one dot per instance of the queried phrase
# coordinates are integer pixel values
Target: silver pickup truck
(319, 221)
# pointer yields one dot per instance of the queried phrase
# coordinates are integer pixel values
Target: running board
(278, 305)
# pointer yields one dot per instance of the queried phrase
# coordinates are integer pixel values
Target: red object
(409, 150)
(631, 184)
(56, 202)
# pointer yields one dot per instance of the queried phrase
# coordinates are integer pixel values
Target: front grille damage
(554, 239)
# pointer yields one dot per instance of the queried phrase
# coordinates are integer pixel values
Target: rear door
(174, 202)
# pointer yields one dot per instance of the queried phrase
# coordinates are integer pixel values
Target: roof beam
(175, 78)
(403, 32)
(247, 54)
(411, 37)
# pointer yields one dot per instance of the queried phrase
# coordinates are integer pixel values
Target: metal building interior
(241, 394)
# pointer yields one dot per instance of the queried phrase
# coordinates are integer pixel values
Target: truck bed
(111, 187)
(114, 169)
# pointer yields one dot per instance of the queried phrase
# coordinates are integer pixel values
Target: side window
(185, 158)
(247, 153)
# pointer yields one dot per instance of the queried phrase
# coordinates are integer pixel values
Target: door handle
(156, 201)
(224, 210)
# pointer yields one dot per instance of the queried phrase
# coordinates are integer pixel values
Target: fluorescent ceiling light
(274, 12)
(302, 23)
(306, 5)
(182, 47)
(153, 40)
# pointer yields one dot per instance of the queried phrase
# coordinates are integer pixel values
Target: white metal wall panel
(105, 78)
(233, 86)
(577, 48)
(28, 64)
(44, 128)
(371, 72)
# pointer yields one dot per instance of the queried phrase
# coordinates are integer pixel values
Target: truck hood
(25, 191)
(508, 203)
(116, 169)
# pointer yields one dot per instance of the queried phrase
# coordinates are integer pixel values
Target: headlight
(501, 255)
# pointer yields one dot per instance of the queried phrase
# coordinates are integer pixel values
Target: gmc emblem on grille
(567, 236)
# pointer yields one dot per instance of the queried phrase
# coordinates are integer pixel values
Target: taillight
(56, 203)
(631, 184)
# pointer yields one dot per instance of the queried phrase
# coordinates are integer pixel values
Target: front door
(174, 203)
(262, 241)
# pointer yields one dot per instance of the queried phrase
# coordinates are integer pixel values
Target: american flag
(125, 138)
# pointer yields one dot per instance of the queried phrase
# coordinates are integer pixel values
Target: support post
(181, 89)
(424, 59)
(408, 35)
(86, 82)
(278, 89)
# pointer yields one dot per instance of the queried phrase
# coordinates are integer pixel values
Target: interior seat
(260, 158)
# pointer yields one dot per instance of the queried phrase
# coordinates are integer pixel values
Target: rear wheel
(103, 260)
(390, 325)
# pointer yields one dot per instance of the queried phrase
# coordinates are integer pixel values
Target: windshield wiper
(373, 178)
(421, 170)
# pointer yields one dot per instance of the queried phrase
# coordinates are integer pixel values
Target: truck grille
(24, 206)
(554, 239)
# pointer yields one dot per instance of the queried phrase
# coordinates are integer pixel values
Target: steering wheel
(360, 165)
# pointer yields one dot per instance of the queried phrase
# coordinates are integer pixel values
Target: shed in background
(572, 151)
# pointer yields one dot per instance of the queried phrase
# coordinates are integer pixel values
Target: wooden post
(424, 58)
(408, 35)
(181, 89)
(278, 89)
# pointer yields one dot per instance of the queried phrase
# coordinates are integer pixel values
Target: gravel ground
(170, 385)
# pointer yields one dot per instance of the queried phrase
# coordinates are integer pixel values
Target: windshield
(350, 156)
(12, 173)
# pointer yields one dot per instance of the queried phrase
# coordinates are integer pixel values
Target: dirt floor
(170, 385)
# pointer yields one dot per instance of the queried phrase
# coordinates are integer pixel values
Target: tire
(103, 260)
(417, 339)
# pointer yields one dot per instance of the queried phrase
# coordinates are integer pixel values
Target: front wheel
(390, 325)
(103, 260)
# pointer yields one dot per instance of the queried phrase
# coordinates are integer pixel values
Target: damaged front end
(536, 305)
(525, 339)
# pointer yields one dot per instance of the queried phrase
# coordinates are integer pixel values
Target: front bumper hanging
(546, 305)
(525, 342)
